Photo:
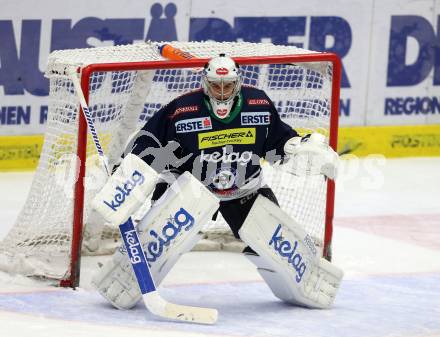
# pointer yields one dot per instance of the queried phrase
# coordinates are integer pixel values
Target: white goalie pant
(287, 258)
(170, 228)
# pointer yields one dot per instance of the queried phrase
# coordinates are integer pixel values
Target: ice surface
(386, 238)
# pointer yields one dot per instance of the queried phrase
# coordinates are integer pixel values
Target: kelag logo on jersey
(227, 156)
(193, 125)
(226, 137)
(255, 118)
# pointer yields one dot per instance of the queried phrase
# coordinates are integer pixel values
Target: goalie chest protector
(222, 153)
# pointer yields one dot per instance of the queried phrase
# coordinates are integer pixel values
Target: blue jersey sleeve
(279, 132)
(157, 132)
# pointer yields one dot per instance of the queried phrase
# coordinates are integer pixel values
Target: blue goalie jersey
(224, 154)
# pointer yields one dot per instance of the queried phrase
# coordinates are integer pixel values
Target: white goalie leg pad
(126, 190)
(288, 260)
(170, 228)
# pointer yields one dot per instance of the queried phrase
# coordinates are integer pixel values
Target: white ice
(386, 238)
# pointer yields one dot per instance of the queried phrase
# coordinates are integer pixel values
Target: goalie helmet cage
(47, 238)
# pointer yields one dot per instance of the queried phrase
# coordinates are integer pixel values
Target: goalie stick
(151, 297)
(73, 74)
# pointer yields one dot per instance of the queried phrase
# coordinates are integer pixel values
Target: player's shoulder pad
(255, 98)
(188, 103)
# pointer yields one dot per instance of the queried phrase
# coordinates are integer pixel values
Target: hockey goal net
(124, 86)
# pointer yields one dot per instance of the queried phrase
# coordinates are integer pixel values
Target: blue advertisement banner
(390, 54)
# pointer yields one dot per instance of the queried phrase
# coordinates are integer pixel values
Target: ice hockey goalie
(213, 140)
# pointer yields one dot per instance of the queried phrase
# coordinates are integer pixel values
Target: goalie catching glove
(321, 158)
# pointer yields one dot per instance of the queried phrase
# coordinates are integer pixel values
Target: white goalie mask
(221, 83)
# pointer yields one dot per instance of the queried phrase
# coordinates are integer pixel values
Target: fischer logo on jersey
(193, 125)
(154, 247)
(226, 157)
(122, 192)
(286, 249)
(255, 118)
(226, 137)
(256, 101)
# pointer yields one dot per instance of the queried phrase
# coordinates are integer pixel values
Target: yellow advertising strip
(226, 137)
(391, 141)
(19, 153)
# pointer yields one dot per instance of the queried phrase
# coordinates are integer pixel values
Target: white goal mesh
(120, 101)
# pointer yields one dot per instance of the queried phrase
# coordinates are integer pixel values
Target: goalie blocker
(126, 190)
(287, 258)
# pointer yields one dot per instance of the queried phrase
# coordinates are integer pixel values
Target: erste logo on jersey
(225, 137)
(255, 118)
(193, 125)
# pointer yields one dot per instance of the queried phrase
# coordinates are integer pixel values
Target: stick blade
(191, 314)
(160, 307)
